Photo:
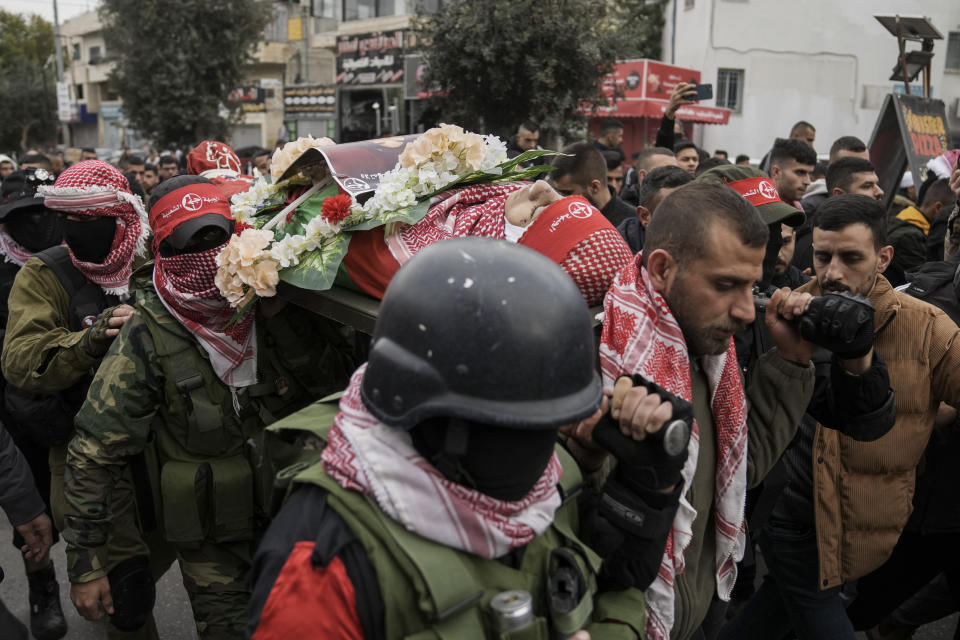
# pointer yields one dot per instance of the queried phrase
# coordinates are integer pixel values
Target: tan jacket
(863, 491)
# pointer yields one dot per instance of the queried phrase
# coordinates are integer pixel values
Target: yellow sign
(294, 29)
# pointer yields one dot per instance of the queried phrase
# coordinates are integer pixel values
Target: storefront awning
(652, 108)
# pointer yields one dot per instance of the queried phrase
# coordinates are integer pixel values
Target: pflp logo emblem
(355, 185)
(767, 190)
(580, 210)
(191, 202)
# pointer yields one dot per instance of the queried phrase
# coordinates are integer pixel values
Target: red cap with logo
(758, 190)
(189, 202)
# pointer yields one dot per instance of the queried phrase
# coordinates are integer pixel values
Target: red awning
(652, 108)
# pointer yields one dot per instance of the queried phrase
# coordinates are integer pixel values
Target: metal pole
(306, 45)
(56, 44)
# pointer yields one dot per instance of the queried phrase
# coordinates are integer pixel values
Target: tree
(640, 24)
(500, 62)
(28, 100)
(177, 60)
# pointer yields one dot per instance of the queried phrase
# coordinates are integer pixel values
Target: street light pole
(56, 44)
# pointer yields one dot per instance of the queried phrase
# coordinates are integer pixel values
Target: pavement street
(172, 611)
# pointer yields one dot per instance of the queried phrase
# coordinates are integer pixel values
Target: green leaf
(318, 268)
(307, 211)
(410, 215)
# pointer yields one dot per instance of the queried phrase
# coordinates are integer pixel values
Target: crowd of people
(774, 374)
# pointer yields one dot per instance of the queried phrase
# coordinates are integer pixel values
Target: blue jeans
(790, 596)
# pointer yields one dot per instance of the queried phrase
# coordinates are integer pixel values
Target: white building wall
(824, 61)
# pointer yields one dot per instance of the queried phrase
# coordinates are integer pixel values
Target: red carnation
(238, 227)
(336, 209)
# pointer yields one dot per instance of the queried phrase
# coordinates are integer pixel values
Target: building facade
(774, 62)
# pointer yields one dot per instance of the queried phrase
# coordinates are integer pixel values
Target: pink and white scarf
(12, 250)
(641, 336)
(367, 456)
(185, 284)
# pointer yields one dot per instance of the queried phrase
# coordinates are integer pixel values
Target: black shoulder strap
(87, 299)
(58, 259)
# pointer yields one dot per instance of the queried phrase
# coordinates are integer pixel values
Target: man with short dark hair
(848, 147)
(583, 172)
(907, 233)
(853, 175)
(853, 468)
(167, 167)
(614, 170)
(136, 166)
(525, 139)
(671, 316)
(150, 178)
(35, 161)
(849, 174)
(645, 162)
(261, 162)
(791, 163)
(720, 153)
(656, 186)
(805, 131)
(611, 135)
(688, 156)
(88, 153)
(743, 160)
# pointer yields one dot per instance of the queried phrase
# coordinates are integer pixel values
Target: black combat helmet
(485, 331)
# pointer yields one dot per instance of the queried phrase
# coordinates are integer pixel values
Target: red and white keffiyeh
(641, 336)
(185, 284)
(96, 188)
(571, 232)
(12, 250)
(369, 457)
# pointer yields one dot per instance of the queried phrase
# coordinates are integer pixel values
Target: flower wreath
(299, 234)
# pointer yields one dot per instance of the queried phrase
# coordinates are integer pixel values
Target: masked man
(442, 505)
(65, 307)
(189, 388)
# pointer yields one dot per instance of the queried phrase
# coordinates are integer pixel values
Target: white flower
(495, 153)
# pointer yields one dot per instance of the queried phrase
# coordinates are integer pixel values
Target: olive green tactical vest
(209, 455)
(431, 591)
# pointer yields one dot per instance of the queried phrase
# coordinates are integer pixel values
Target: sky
(66, 8)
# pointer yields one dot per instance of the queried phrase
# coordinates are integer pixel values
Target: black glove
(646, 465)
(95, 341)
(841, 323)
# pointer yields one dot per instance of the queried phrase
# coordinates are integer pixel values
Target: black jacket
(616, 211)
(633, 232)
(909, 250)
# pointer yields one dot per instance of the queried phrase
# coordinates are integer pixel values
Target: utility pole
(56, 43)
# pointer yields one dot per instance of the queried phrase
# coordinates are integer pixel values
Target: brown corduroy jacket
(863, 491)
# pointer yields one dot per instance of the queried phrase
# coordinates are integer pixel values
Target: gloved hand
(96, 341)
(841, 323)
(645, 465)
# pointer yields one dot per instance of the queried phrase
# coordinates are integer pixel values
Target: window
(364, 9)
(78, 91)
(276, 30)
(76, 51)
(688, 4)
(729, 91)
(95, 55)
(953, 51)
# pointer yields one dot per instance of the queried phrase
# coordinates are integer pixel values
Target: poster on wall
(370, 58)
(910, 131)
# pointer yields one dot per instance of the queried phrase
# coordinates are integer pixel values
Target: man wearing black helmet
(441, 503)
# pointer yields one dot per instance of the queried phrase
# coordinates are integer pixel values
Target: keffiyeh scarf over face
(571, 232)
(367, 456)
(96, 188)
(12, 250)
(641, 336)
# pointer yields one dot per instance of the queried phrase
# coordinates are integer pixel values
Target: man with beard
(583, 172)
(65, 308)
(852, 469)
(190, 388)
(791, 163)
(671, 316)
(656, 186)
(28, 228)
(785, 274)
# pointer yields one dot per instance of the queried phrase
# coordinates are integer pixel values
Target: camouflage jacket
(128, 399)
(40, 352)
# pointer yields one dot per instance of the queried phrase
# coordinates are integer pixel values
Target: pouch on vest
(232, 498)
(183, 487)
(205, 435)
